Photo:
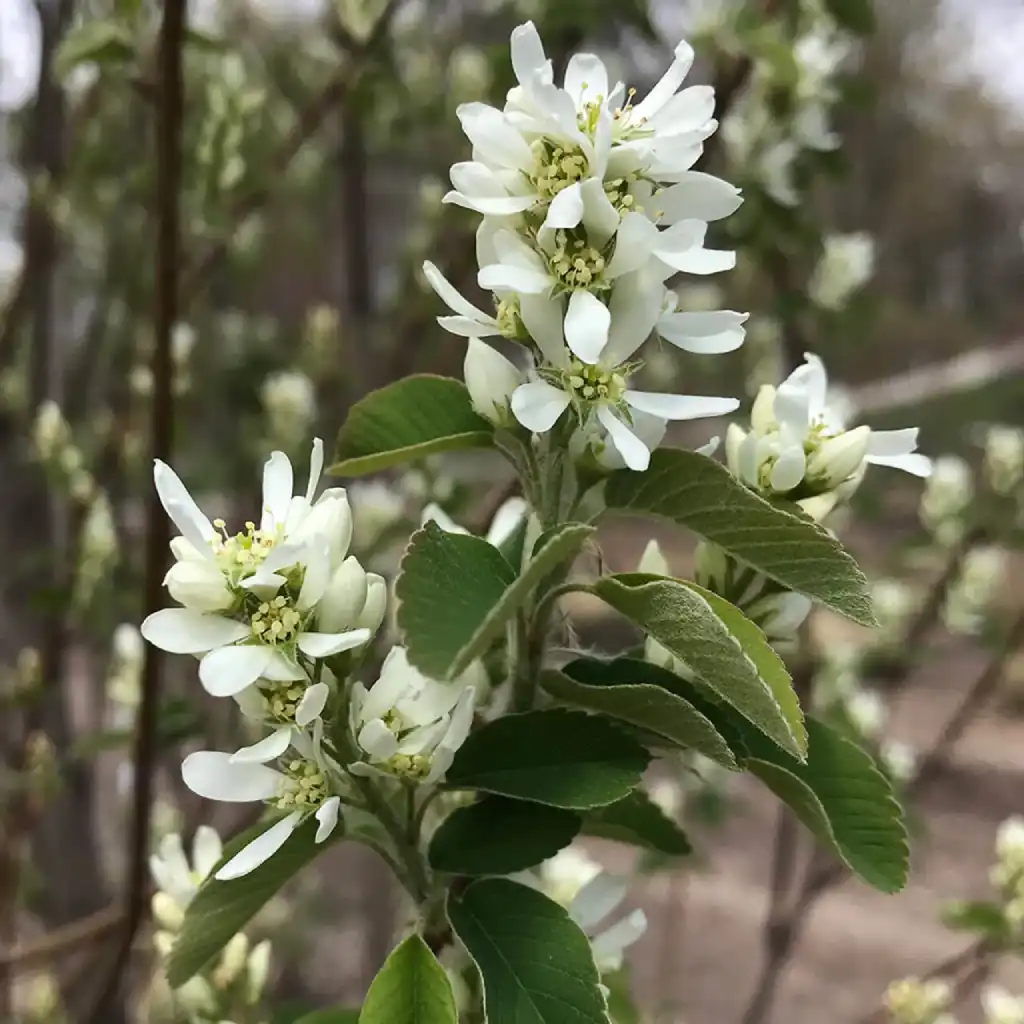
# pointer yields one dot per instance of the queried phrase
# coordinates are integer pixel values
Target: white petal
(620, 936)
(600, 218)
(229, 670)
(597, 899)
(459, 725)
(490, 206)
(698, 196)
(586, 79)
(516, 279)
(312, 705)
(636, 304)
(587, 321)
(635, 240)
(212, 775)
(323, 645)
(527, 51)
(316, 468)
(206, 850)
(494, 137)
(792, 405)
(267, 749)
(430, 702)
(283, 669)
(699, 261)
(327, 815)
(278, 485)
(317, 577)
(538, 405)
(667, 86)
(633, 451)
(182, 509)
(566, 209)
(686, 112)
(542, 316)
(680, 407)
(182, 631)
(451, 296)
(811, 377)
(377, 740)
(707, 333)
(261, 849)
(893, 442)
(917, 465)
(397, 679)
(423, 738)
(506, 520)
(789, 469)
(466, 328)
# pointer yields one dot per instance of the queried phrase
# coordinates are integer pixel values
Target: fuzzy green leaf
(411, 988)
(407, 420)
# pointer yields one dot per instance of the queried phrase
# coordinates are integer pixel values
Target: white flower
(913, 1001)
(981, 578)
(1004, 458)
(591, 897)
(170, 868)
(900, 760)
(289, 399)
(21, 40)
(506, 520)
(798, 447)
(409, 725)
(376, 507)
(867, 712)
(846, 264)
(1000, 1007)
(275, 576)
(948, 493)
(304, 786)
(490, 379)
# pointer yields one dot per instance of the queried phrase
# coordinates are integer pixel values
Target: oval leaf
(636, 819)
(411, 988)
(683, 621)
(410, 419)
(497, 836)
(535, 963)
(562, 758)
(668, 717)
(220, 909)
(696, 492)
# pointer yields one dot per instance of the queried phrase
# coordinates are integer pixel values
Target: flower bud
(491, 379)
(735, 435)
(199, 586)
(711, 570)
(762, 413)
(1004, 458)
(343, 601)
(163, 943)
(653, 560)
(196, 996)
(838, 458)
(166, 912)
(257, 971)
(779, 615)
(376, 604)
(232, 961)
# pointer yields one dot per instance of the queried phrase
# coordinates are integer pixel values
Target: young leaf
(410, 419)
(621, 1007)
(446, 585)
(636, 819)
(220, 909)
(695, 492)
(457, 593)
(562, 758)
(979, 916)
(842, 797)
(534, 961)
(683, 621)
(497, 836)
(668, 717)
(411, 988)
(94, 42)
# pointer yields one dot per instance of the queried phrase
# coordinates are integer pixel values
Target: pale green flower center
(576, 264)
(556, 168)
(282, 700)
(594, 383)
(410, 766)
(276, 621)
(242, 554)
(507, 316)
(304, 788)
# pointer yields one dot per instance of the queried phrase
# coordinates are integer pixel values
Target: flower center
(242, 554)
(509, 323)
(576, 264)
(276, 621)
(282, 700)
(411, 766)
(305, 787)
(556, 168)
(594, 383)
(619, 196)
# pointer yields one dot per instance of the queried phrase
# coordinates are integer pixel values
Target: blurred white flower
(1001, 1007)
(289, 399)
(867, 712)
(948, 493)
(376, 507)
(971, 596)
(21, 43)
(506, 520)
(1004, 458)
(914, 1001)
(172, 873)
(846, 264)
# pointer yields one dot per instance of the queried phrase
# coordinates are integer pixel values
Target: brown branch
(63, 940)
(168, 186)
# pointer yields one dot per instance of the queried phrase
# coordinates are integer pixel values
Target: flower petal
(915, 464)
(543, 317)
(323, 645)
(635, 240)
(183, 631)
(698, 196)
(466, 328)
(317, 577)
(600, 218)
(267, 749)
(312, 705)
(506, 520)
(633, 451)
(283, 669)
(586, 79)
(699, 261)
(212, 775)
(316, 468)
(597, 899)
(377, 740)
(493, 137)
(789, 469)
(707, 333)
(587, 321)
(528, 58)
(611, 942)
(499, 276)
(566, 209)
(686, 112)
(666, 88)
(327, 815)
(278, 485)
(229, 670)
(538, 405)
(261, 849)
(207, 849)
(636, 304)
(680, 407)
(893, 442)
(182, 509)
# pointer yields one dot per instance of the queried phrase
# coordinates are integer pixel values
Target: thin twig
(61, 941)
(169, 168)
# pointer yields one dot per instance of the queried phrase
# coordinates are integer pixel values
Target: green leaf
(680, 618)
(782, 543)
(978, 916)
(99, 42)
(535, 963)
(621, 1007)
(856, 15)
(339, 1015)
(636, 819)
(652, 708)
(497, 836)
(411, 988)
(220, 909)
(410, 419)
(842, 797)
(558, 757)
(457, 593)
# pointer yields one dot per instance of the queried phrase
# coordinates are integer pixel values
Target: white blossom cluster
(278, 613)
(590, 204)
(913, 1001)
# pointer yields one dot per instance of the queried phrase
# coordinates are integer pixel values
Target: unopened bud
(1004, 458)
(345, 597)
(196, 996)
(762, 413)
(199, 586)
(711, 569)
(166, 912)
(257, 971)
(376, 604)
(232, 961)
(779, 615)
(838, 458)
(491, 379)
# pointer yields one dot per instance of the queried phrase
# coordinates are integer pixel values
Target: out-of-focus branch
(63, 940)
(171, 114)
